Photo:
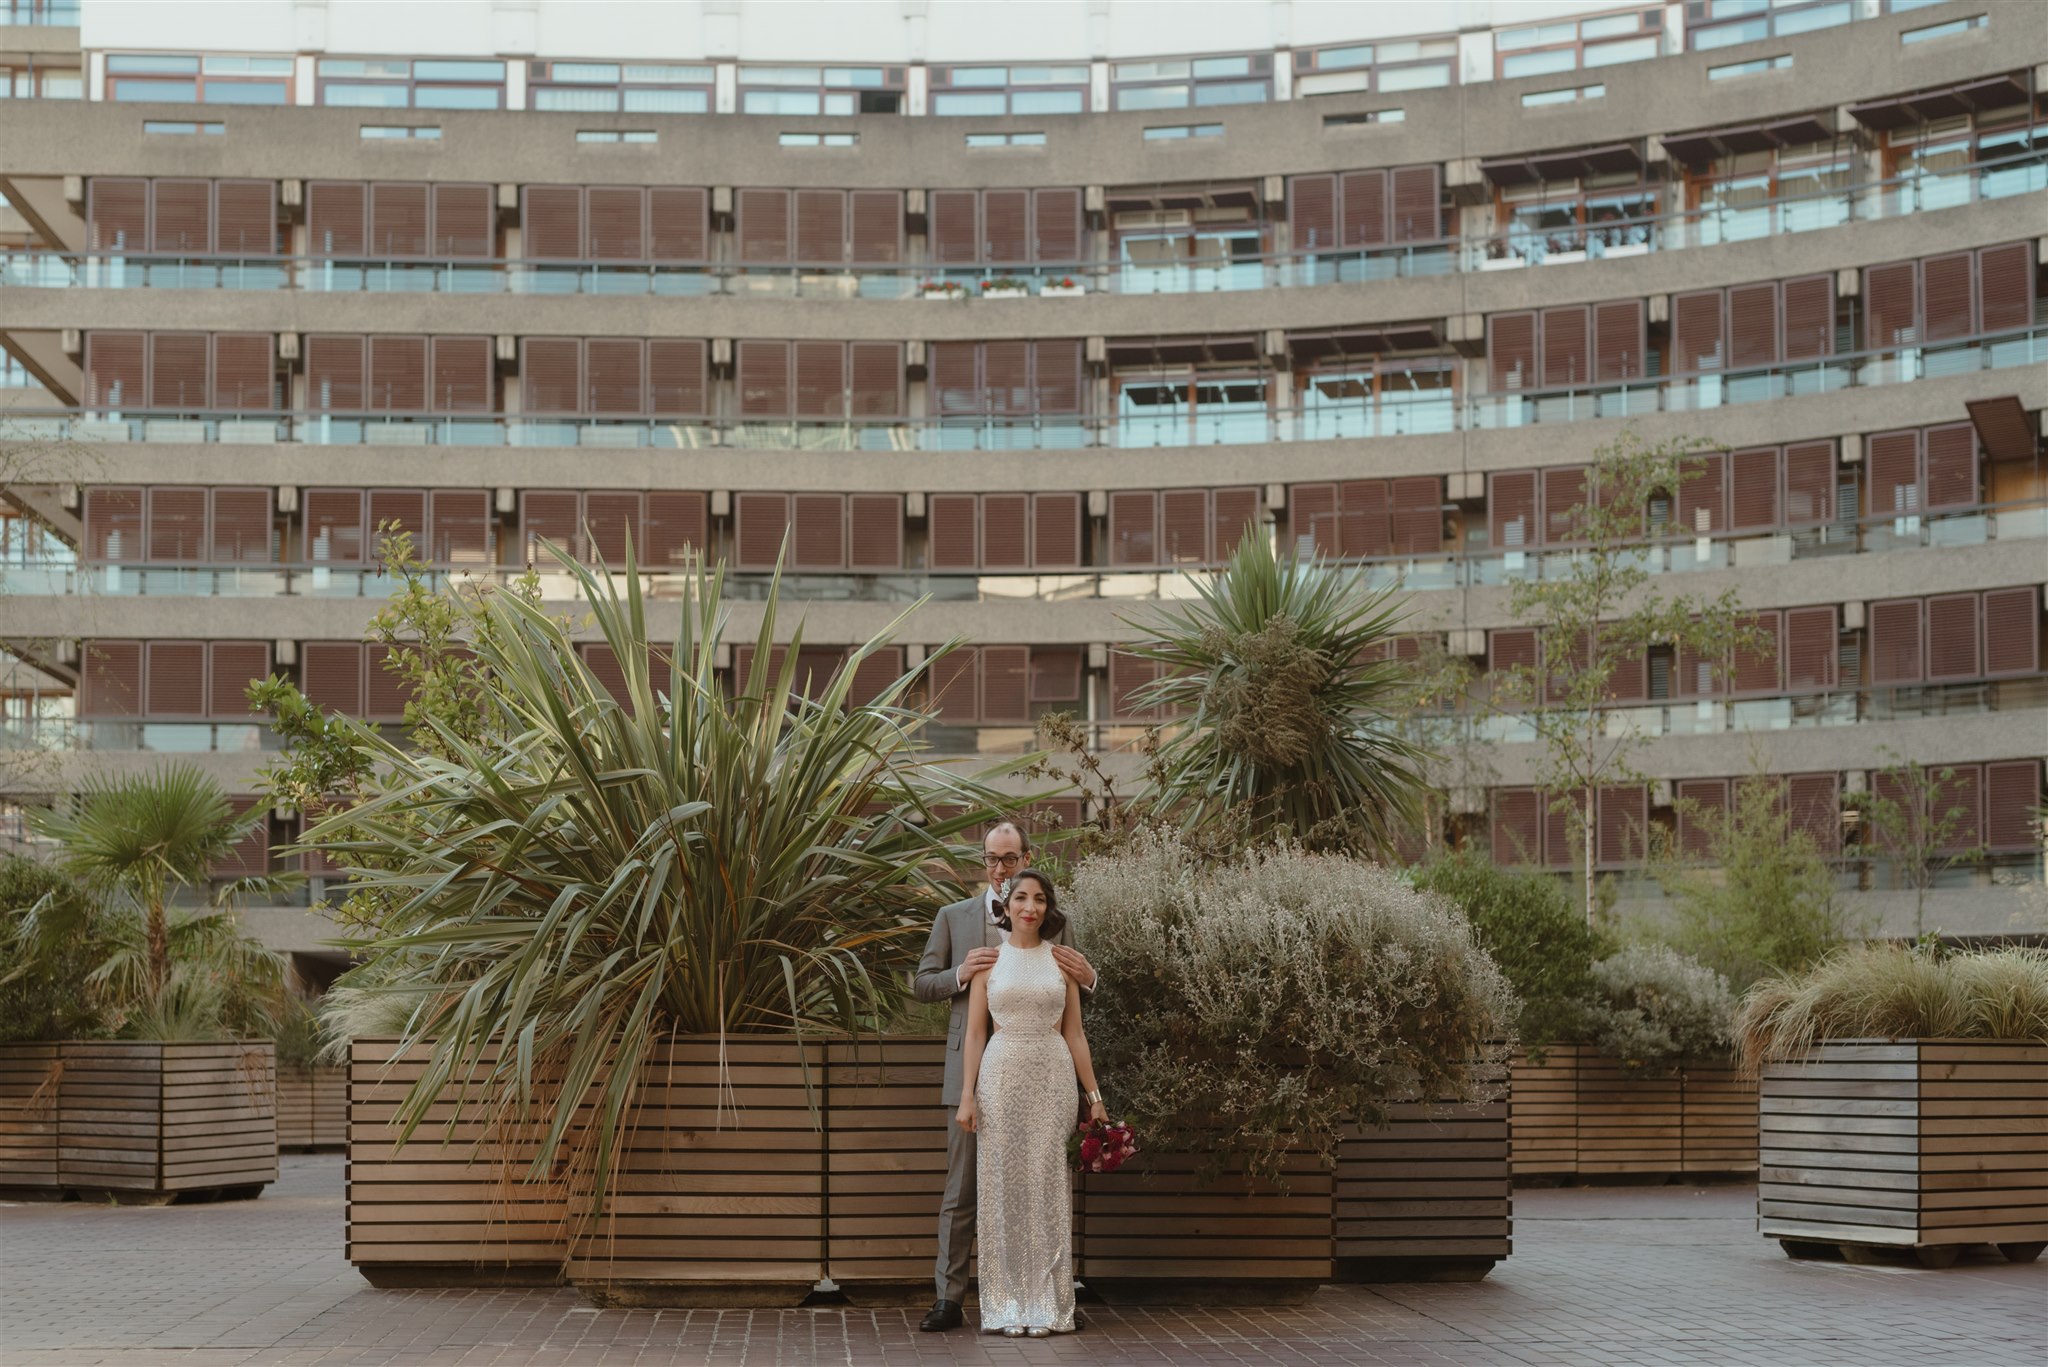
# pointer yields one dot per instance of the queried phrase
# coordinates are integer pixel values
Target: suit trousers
(956, 1212)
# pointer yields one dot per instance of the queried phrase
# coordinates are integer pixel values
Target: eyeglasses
(1002, 861)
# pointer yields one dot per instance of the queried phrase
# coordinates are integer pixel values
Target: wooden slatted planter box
(141, 1118)
(885, 1165)
(1545, 1124)
(1627, 1124)
(1580, 1113)
(1429, 1198)
(312, 1108)
(1927, 1145)
(1158, 1231)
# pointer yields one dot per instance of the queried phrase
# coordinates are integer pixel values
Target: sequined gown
(1027, 1098)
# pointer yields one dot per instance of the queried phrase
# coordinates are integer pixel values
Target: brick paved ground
(1613, 1277)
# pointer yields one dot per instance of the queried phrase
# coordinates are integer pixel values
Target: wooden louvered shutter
(245, 217)
(1362, 199)
(115, 370)
(244, 371)
(458, 527)
(1312, 520)
(877, 226)
(1955, 809)
(2012, 793)
(1618, 342)
(952, 525)
(1753, 481)
(1753, 326)
(385, 692)
(1056, 531)
(334, 526)
(676, 524)
(1508, 649)
(818, 541)
(397, 510)
(331, 675)
(1006, 684)
(1006, 226)
(1517, 826)
(1184, 527)
(398, 220)
(1127, 675)
(955, 223)
(956, 686)
(551, 375)
(552, 516)
(1696, 333)
(179, 370)
(820, 379)
(117, 211)
(1511, 351)
(875, 539)
(1056, 377)
(678, 224)
(875, 371)
(465, 221)
(1133, 527)
(1808, 318)
(398, 375)
(1891, 304)
(461, 375)
(759, 523)
(614, 376)
(764, 379)
(1567, 358)
(1418, 205)
(181, 217)
(1235, 512)
(1755, 671)
(676, 385)
(1363, 524)
(1702, 804)
(1948, 296)
(2012, 632)
(762, 222)
(2005, 286)
(610, 517)
(1564, 503)
(1624, 824)
(1006, 531)
(334, 374)
(241, 527)
(1055, 674)
(1893, 478)
(615, 223)
(1895, 653)
(337, 218)
(1954, 647)
(1006, 377)
(873, 675)
(177, 525)
(553, 223)
(1809, 483)
(821, 227)
(1813, 803)
(1811, 645)
(1056, 226)
(1951, 465)
(231, 667)
(112, 679)
(955, 370)
(1511, 510)
(1560, 850)
(1704, 490)
(1312, 212)
(113, 525)
(176, 679)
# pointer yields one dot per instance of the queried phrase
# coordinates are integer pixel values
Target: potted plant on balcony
(1005, 287)
(941, 289)
(1066, 287)
(1903, 1090)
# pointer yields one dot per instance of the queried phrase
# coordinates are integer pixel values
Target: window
(818, 140)
(177, 128)
(613, 135)
(834, 90)
(1947, 30)
(373, 132)
(1178, 132)
(1745, 191)
(1551, 216)
(1006, 139)
(1218, 394)
(167, 79)
(1342, 122)
(998, 90)
(1782, 62)
(1407, 64)
(396, 83)
(33, 80)
(1192, 82)
(1713, 24)
(1572, 44)
(1570, 95)
(619, 87)
(1166, 239)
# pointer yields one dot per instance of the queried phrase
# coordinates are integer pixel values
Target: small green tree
(44, 994)
(1912, 816)
(1597, 612)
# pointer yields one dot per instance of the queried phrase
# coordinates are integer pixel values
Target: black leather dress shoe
(942, 1316)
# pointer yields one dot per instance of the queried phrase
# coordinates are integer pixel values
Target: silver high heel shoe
(1038, 1331)
(1013, 1331)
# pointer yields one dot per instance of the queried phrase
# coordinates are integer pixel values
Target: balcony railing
(1676, 231)
(39, 13)
(49, 575)
(1391, 414)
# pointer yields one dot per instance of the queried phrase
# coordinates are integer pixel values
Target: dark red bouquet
(1106, 1146)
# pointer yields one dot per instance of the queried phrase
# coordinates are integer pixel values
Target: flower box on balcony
(942, 291)
(1064, 288)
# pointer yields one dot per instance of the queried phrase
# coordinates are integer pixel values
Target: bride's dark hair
(1049, 929)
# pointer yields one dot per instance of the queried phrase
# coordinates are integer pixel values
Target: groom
(964, 940)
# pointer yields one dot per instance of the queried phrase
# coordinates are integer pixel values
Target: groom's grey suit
(957, 929)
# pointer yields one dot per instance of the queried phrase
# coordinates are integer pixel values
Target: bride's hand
(968, 1116)
(1097, 1112)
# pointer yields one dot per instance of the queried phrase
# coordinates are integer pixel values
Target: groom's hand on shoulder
(975, 962)
(1075, 965)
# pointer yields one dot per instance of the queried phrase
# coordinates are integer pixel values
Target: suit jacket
(958, 928)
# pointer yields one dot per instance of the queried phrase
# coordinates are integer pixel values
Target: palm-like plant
(596, 873)
(1282, 673)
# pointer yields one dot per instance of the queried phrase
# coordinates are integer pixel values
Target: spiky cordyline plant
(1286, 716)
(600, 874)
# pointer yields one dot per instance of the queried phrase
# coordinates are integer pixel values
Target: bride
(1017, 1095)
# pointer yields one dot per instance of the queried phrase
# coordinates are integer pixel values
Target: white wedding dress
(1028, 1100)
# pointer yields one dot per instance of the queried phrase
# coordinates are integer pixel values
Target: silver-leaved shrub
(1654, 1008)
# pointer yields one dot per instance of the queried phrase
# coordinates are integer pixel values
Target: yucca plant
(1282, 673)
(594, 874)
